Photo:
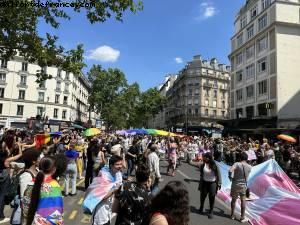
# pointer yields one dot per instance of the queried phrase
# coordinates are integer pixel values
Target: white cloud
(104, 54)
(178, 60)
(207, 10)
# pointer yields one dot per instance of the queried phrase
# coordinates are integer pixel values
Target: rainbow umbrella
(91, 132)
(162, 133)
(151, 131)
(286, 137)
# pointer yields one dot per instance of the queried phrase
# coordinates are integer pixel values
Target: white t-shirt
(208, 174)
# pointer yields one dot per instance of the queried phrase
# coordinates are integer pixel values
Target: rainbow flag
(277, 198)
(42, 139)
(100, 187)
(50, 207)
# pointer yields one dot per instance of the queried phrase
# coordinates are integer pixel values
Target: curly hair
(173, 202)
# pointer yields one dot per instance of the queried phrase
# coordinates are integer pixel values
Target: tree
(150, 103)
(19, 34)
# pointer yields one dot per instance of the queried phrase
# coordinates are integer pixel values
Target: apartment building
(199, 96)
(64, 98)
(159, 120)
(265, 59)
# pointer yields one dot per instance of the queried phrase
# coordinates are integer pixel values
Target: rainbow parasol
(91, 132)
(286, 137)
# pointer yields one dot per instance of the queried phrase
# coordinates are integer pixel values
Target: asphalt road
(185, 173)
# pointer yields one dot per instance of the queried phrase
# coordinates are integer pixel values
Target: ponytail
(47, 165)
(35, 196)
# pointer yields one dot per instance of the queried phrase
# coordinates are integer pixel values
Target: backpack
(14, 188)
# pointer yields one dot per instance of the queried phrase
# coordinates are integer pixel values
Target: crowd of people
(123, 172)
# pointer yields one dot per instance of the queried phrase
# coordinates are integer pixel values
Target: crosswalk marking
(80, 201)
(73, 215)
(86, 219)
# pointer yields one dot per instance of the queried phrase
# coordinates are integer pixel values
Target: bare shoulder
(158, 220)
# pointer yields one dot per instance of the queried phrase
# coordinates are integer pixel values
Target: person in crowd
(102, 214)
(172, 156)
(153, 163)
(5, 164)
(131, 158)
(91, 151)
(210, 183)
(46, 205)
(132, 201)
(170, 205)
(239, 174)
(79, 162)
(71, 171)
(269, 152)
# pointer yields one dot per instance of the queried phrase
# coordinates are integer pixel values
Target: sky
(154, 42)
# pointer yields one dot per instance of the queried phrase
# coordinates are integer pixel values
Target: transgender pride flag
(278, 198)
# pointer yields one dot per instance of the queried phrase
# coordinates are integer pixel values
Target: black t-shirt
(134, 150)
(134, 204)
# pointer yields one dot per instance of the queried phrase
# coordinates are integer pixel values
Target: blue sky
(156, 41)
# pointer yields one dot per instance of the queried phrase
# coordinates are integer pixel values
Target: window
(1, 107)
(223, 113)
(262, 22)
(215, 93)
(223, 105)
(58, 85)
(23, 80)
(250, 91)
(22, 94)
(250, 52)
(3, 63)
(2, 77)
(41, 96)
(215, 84)
(55, 114)
(20, 110)
(190, 101)
(24, 66)
(190, 111)
(239, 76)
(196, 101)
(207, 93)
(262, 44)
(250, 71)
(40, 111)
(190, 91)
(239, 58)
(59, 73)
(1, 92)
(262, 110)
(239, 95)
(196, 111)
(64, 113)
(67, 76)
(239, 40)
(214, 103)
(250, 112)
(206, 112)
(206, 102)
(66, 100)
(197, 91)
(250, 32)
(265, 3)
(253, 12)
(239, 113)
(262, 87)
(56, 99)
(215, 113)
(262, 65)
(223, 94)
(243, 21)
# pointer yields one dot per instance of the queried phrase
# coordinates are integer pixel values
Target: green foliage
(121, 105)
(19, 33)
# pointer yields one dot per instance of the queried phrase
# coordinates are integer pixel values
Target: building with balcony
(159, 120)
(199, 96)
(265, 59)
(64, 98)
